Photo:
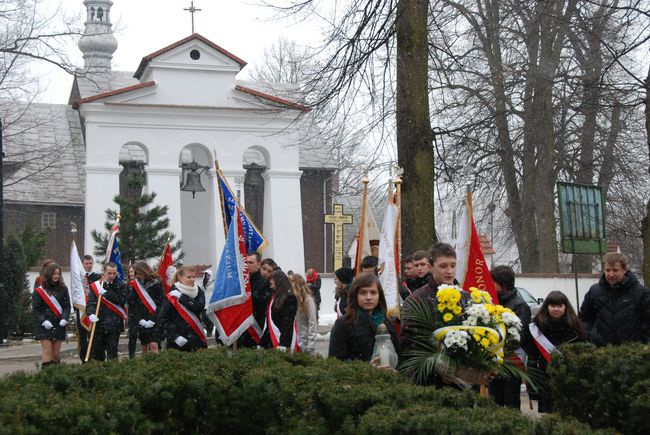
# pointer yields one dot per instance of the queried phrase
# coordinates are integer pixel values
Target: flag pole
(398, 236)
(99, 299)
(362, 225)
(221, 198)
(73, 230)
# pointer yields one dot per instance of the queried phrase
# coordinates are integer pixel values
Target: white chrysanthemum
(511, 320)
(456, 339)
(475, 313)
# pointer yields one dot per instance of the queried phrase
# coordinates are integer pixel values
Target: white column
(102, 184)
(283, 219)
(165, 182)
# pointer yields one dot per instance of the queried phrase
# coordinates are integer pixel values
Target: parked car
(534, 304)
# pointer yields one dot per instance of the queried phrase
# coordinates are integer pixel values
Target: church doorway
(198, 207)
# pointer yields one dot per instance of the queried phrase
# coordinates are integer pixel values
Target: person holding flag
(109, 317)
(145, 299)
(51, 308)
(179, 315)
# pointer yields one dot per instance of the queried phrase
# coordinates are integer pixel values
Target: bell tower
(98, 43)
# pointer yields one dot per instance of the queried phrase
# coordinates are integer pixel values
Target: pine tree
(144, 227)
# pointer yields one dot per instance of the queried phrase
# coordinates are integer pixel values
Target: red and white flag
(166, 268)
(472, 269)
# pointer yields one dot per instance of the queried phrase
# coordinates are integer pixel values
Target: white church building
(182, 106)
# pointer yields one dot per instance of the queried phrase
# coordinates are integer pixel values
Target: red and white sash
(189, 317)
(144, 296)
(108, 304)
(339, 313)
(546, 348)
(255, 332)
(50, 301)
(274, 331)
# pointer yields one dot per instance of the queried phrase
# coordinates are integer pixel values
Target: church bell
(193, 180)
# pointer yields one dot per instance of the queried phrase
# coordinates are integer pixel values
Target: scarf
(191, 292)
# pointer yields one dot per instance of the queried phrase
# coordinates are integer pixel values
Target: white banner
(77, 277)
(387, 270)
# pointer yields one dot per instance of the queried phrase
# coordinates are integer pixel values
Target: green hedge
(604, 387)
(247, 392)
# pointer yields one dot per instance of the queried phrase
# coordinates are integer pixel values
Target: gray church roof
(44, 154)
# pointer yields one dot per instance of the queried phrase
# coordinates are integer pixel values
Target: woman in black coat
(144, 321)
(51, 308)
(179, 315)
(280, 314)
(353, 336)
(557, 323)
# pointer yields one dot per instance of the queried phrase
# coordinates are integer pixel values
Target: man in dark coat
(109, 322)
(89, 277)
(506, 391)
(261, 294)
(442, 257)
(616, 309)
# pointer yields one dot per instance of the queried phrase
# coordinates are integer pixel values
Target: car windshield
(527, 297)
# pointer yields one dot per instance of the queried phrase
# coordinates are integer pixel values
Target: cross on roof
(192, 10)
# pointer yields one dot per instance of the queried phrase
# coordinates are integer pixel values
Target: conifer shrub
(604, 386)
(219, 391)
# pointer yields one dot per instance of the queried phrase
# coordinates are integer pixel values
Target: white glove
(175, 294)
(180, 341)
(63, 323)
(93, 318)
(281, 348)
(47, 324)
(142, 323)
(149, 324)
(101, 291)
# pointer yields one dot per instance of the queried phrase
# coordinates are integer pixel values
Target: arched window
(100, 14)
(255, 165)
(92, 14)
(133, 177)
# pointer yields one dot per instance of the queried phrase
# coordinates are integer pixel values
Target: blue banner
(255, 241)
(114, 256)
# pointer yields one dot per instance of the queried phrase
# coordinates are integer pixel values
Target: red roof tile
(113, 92)
(272, 98)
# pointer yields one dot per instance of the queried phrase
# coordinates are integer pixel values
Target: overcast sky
(243, 27)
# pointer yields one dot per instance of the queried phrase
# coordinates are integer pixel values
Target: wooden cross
(338, 219)
(192, 10)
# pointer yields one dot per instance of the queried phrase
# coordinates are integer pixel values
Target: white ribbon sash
(546, 348)
(51, 302)
(144, 296)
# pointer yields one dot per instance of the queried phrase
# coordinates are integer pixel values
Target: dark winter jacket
(426, 295)
(42, 312)
(172, 325)
(356, 341)
(315, 290)
(109, 321)
(558, 332)
(283, 315)
(261, 293)
(137, 309)
(617, 314)
(511, 299)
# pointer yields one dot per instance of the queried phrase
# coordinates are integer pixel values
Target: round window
(195, 54)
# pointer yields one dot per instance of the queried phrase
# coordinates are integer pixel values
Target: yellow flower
(476, 298)
(473, 289)
(486, 297)
(441, 307)
(476, 337)
(457, 310)
(448, 317)
(494, 339)
(485, 342)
